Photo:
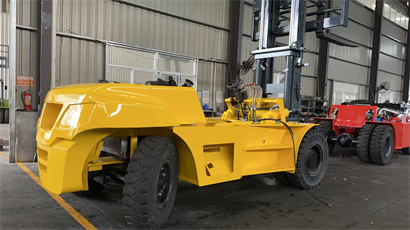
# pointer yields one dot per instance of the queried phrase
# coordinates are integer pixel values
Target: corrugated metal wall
(392, 60)
(81, 61)
(78, 61)
(352, 64)
(128, 24)
(26, 62)
(27, 47)
(4, 40)
(27, 13)
(118, 22)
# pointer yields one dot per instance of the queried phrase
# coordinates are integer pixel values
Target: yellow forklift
(151, 136)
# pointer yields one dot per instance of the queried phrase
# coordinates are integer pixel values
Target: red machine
(376, 132)
(26, 98)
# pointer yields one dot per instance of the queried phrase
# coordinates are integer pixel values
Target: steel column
(322, 68)
(5, 6)
(323, 58)
(235, 39)
(45, 49)
(377, 32)
(406, 83)
(12, 79)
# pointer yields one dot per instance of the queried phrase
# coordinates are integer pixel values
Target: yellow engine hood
(71, 109)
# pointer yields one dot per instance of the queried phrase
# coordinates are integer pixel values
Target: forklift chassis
(347, 125)
(168, 137)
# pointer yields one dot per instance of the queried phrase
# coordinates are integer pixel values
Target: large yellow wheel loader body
(76, 119)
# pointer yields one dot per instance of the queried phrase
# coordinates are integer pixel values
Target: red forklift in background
(376, 132)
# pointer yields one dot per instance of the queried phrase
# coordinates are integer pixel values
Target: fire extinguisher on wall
(26, 98)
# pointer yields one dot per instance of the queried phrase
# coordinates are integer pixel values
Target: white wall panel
(247, 19)
(4, 28)
(356, 33)
(311, 42)
(346, 72)
(394, 80)
(392, 47)
(310, 70)
(346, 92)
(78, 61)
(108, 20)
(360, 13)
(83, 61)
(390, 64)
(279, 64)
(360, 55)
(122, 75)
(26, 62)
(4, 40)
(309, 86)
(129, 57)
(26, 46)
(393, 30)
(27, 13)
(221, 70)
(214, 12)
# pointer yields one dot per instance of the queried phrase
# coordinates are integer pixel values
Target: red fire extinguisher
(26, 98)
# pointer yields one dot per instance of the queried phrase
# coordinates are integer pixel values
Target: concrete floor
(365, 196)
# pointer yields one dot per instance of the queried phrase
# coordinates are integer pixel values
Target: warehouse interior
(47, 44)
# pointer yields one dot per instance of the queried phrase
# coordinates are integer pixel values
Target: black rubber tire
(363, 143)
(406, 151)
(312, 148)
(325, 128)
(144, 206)
(382, 145)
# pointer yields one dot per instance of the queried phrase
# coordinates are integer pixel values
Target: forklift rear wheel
(312, 161)
(151, 183)
(325, 128)
(406, 151)
(382, 145)
(363, 143)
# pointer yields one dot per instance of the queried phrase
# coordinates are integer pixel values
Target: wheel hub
(387, 146)
(314, 160)
(163, 184)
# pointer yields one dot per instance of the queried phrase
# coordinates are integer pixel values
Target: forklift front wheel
(382, 145)
(151, 183)
(325, 128)
(312, 161)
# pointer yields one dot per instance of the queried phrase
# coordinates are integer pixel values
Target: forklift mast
(279, 18)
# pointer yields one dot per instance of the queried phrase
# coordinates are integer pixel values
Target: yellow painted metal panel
(65, 167)
(246, 159)
(91, 106)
